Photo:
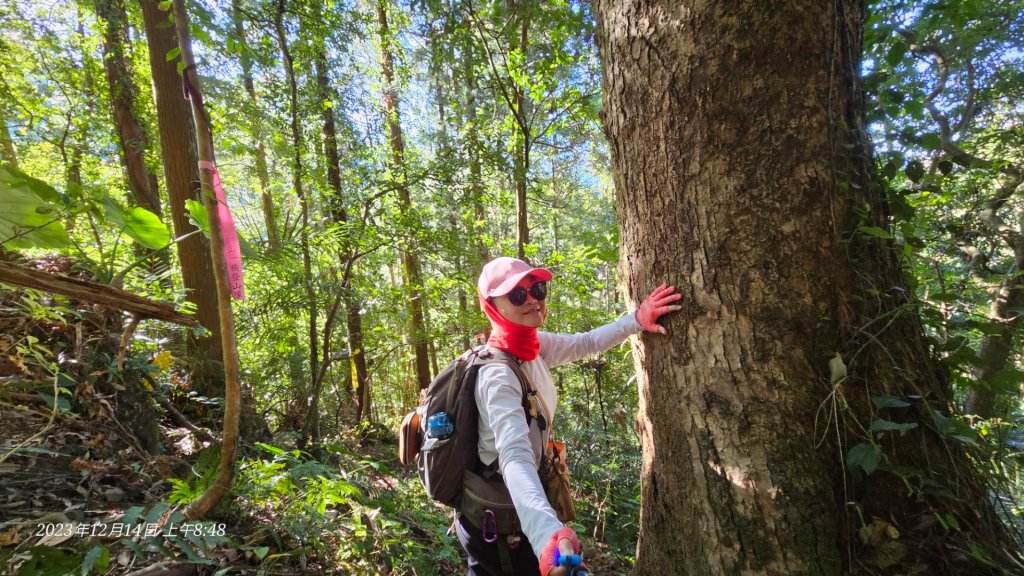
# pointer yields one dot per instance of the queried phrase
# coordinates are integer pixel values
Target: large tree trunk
(743, 177)
(131, 134)
(417, 325)
(181, 172)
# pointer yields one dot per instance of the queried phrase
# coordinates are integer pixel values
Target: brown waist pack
(554, 474)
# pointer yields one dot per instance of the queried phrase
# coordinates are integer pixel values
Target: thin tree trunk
(74, 172)
(997, 347)
(340, 216)
(259, 150)
(743, 176)
(521, 161)
(7, 150)
(224, 479)
(297, 174)
(123, 95)
(417, 329)
(181, 171)
(477, 226)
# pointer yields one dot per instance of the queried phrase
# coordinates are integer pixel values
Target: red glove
(656, 306)
(561, 554)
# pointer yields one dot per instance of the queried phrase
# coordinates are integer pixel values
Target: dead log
(23, 277)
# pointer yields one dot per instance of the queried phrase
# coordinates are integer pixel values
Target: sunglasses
(517, 296)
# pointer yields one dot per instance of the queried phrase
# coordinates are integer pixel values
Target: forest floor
(92, 484)
(76, 499)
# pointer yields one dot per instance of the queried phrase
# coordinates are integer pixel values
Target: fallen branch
(108, 296)
(176, 415)
(49, 424)
(170, 569)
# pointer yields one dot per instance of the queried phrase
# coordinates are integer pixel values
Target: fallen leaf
(62, 534)
(113, 494)
(124, 557)
(10, 537)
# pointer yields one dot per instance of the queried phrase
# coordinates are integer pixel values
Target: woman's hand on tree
(657, 305)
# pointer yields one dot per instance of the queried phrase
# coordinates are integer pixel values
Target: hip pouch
(554, 474)
(487, 504)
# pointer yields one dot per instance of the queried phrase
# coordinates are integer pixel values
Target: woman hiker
(512, 294)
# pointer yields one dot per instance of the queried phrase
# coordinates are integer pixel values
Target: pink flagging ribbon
(232, 249)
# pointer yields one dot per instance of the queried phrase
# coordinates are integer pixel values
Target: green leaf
(914, 170)
(146, 228)
(875, 231)
(889, 170)
(895, 54)
(931, 141)
(272, 449)
(879, 425)
(62, 403)
(965, 439)
(139, 224)
(197, 216)
(49, 561)
(28, 213)
(889, 402)
(866, 455)
(914, 108)
(173, 53)
(97, 559)
(132, 514)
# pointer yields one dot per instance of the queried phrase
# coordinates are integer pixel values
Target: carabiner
(494, 527)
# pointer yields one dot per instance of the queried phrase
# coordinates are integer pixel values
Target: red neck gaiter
(516, 339)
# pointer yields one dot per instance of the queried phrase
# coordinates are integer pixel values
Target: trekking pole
(567, 571)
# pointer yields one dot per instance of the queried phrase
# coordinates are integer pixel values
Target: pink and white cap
(501, 275)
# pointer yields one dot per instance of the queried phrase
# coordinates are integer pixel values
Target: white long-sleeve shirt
(504, 433)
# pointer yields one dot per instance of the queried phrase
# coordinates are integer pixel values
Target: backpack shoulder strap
(530, 400)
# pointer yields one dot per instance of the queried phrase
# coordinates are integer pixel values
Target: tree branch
(23, 277)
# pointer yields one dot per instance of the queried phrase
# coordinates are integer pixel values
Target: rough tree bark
(744, 177)
(131, 134)
(181, 172)
(414, 282)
